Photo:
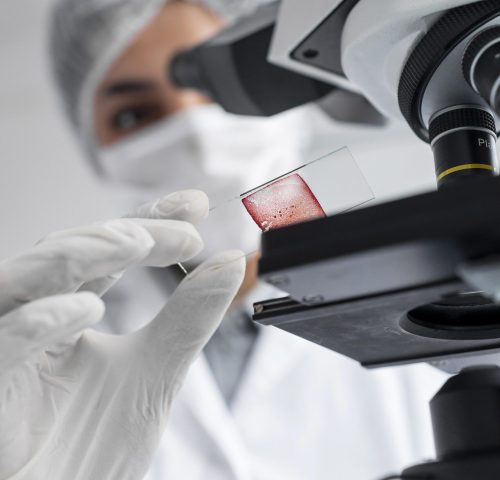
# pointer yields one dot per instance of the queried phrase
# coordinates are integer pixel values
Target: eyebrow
(123, 87)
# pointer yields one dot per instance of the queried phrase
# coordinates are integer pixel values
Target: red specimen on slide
(283, 202)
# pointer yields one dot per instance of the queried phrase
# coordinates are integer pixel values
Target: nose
(180, 99)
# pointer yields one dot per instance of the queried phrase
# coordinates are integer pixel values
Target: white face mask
(208, 149)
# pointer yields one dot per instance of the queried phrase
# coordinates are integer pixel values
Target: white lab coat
(301, 412)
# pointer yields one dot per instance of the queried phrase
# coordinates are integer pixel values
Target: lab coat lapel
(208, 407)
(276, 352)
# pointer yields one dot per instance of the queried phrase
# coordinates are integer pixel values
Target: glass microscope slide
(323, 187)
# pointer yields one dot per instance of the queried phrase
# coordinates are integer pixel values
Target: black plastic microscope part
(455, 316)
(322, 47)
(232, 69)
(453, 27)
(466, 423)
(463, 140)
(481, 65)
(379, 284)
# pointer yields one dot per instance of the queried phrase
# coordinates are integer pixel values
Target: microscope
(412, 280)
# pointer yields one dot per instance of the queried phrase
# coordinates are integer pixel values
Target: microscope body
(431, 63)
(434, 64)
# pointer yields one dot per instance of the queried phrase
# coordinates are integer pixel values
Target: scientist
(259, 404)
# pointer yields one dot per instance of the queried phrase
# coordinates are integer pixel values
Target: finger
(42, 323)
(187, 205)
(63, 261)
(183, 327)
(100, 286)
(175, 241)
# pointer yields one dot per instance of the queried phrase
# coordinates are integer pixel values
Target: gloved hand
(77, 404)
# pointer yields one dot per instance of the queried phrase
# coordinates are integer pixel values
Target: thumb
(179, 332)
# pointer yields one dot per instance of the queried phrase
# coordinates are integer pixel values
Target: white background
(45, 184)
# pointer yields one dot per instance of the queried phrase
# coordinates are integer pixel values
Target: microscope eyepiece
(232, 69)
(463, 139)
(481, 66)
(185, 71)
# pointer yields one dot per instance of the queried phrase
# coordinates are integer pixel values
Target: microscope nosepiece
(481, 66)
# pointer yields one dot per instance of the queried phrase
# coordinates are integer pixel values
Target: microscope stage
(379, 284)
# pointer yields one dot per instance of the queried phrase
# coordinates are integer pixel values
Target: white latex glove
(77, 404)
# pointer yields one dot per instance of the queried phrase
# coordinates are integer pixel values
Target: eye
(132, 118)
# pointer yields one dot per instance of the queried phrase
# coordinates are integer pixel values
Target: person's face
(136, 90)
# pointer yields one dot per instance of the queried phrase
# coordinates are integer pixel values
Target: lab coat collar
(207, 406)
(275, 353)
